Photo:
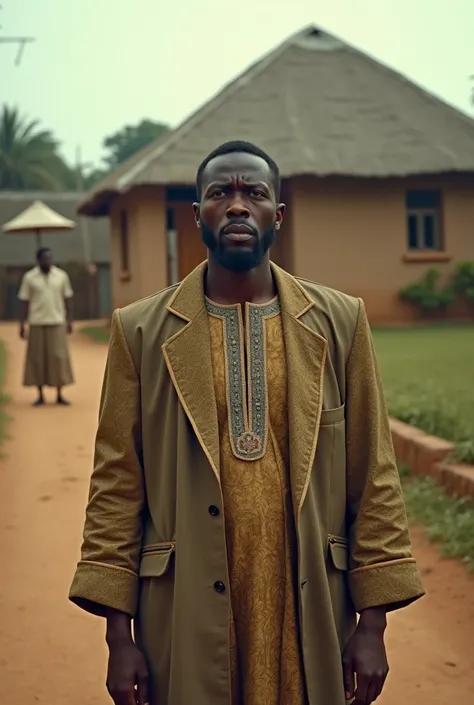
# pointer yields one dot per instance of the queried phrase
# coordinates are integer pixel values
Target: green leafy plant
(427, 295)
(464, 280)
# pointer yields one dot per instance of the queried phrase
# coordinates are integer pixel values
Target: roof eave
(99, 204)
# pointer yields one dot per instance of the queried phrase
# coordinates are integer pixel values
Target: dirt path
(52, 653)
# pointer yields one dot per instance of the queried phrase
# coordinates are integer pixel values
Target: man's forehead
(237, 164)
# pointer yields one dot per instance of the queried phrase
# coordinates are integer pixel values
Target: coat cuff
(394, 584)
(97, 586)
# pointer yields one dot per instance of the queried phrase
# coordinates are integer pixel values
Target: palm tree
(29, 156)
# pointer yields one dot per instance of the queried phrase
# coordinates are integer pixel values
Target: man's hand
(69, 327)
(127, 675)
(23, 334)
(364, 660)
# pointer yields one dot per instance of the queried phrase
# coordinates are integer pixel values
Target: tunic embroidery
(265, 641)
(248, 419)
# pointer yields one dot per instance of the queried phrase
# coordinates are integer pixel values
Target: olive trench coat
(154, 538)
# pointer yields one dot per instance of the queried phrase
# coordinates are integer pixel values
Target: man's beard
(237, 259)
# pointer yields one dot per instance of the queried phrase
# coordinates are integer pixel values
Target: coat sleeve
(382, 569)
(107, 574)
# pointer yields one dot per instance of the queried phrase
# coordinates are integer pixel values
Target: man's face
(238, 213)
(46, 261)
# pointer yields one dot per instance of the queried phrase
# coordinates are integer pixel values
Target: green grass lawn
(3, 397)
(99, 334)
(428, 376)
(449, 521)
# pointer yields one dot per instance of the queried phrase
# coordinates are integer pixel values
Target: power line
(20, 41)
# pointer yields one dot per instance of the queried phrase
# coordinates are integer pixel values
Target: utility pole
(80, 165)
(21, 43)
(90, 266)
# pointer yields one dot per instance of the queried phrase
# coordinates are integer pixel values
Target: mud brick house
(378, 177)
(17, 254)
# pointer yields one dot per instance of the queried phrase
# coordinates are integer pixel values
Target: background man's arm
(68, 302)
(24, 299)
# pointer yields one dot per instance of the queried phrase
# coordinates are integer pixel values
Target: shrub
(427, 295)
(464, 280)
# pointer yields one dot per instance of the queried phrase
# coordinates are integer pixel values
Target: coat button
(213, 511)
(219, 586)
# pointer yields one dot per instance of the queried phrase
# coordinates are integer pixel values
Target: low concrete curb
(429, 455)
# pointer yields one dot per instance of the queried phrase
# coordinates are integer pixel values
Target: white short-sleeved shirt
(45, 294)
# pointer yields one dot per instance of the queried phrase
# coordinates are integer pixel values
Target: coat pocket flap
(332, 416)
(154, 564)
(339, 554)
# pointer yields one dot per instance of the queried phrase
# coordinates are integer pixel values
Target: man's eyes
(254, 193)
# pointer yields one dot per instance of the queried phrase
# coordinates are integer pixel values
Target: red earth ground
(52, 653)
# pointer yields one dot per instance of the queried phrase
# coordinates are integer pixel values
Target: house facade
(377, 176)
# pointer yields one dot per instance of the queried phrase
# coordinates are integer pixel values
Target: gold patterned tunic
(250, 382)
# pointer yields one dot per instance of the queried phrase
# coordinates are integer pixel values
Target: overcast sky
(99, 64)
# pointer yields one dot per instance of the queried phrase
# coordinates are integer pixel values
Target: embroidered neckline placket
(247, 404)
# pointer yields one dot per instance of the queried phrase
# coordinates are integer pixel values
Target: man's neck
(225, 287)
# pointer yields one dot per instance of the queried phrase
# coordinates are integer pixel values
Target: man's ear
(197, 214)
(280, 214)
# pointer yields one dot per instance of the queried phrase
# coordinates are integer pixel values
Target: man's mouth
(238, 232)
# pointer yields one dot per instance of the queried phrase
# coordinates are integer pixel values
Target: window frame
(419, 212)
(124, 243)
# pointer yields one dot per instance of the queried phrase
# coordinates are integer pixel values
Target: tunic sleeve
(383, 571)
(24, 294)
(107, 574)
(67, 288)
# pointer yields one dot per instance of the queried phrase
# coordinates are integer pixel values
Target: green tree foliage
(92, 177)
(125, 142)
(29, 156)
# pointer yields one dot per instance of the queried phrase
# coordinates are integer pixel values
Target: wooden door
(191, 250)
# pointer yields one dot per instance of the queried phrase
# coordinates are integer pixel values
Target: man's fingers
(373, 691)
(368, 689)
(143, 692)
(378, 685)
(362, 691)
(349, 681)
(123, 695)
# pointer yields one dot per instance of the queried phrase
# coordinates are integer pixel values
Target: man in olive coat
(245, 503)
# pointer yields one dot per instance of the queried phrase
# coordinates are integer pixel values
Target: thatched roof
(19, 250)
(317, 106)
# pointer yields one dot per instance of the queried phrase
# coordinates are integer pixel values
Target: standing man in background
(46, 304)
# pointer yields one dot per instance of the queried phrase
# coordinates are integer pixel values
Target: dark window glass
(413, 232)
(124, 258)
(181, 193)
(429, 232)
(170, 219)
(422, 199)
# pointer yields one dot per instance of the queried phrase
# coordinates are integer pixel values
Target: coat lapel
(188, 357)
(305, 356)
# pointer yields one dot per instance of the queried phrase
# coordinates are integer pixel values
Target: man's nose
(237, 209)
